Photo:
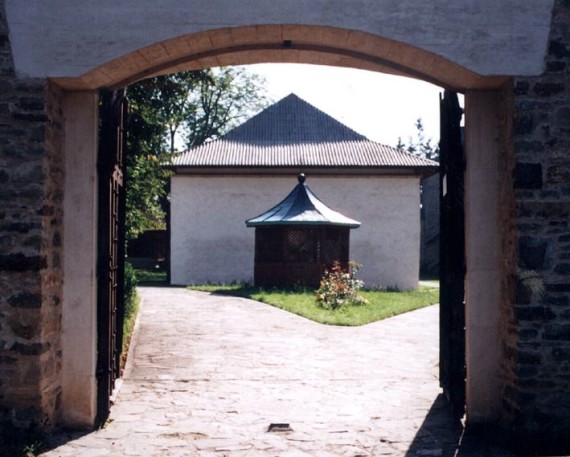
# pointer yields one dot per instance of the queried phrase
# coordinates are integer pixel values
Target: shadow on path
(209, 374)
(442, 435)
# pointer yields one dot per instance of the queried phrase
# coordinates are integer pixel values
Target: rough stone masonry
(31, 197)
(537, 325)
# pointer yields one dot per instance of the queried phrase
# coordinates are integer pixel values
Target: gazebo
(297, 238)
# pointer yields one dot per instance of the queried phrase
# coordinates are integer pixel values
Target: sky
(379, 106)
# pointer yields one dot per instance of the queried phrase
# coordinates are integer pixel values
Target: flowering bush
(339, 287)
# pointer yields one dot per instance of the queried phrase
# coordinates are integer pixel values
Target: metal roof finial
(301, 178)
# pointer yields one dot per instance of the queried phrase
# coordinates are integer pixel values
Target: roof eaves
(393, 170)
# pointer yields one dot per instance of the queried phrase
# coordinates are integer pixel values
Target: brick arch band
(281, 43)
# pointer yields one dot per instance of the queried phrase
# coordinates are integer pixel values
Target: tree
(420, 146)
(195, 106)
(225, 100)
(146, 146)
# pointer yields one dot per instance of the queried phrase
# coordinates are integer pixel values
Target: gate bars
(111, 245)
(452, 253)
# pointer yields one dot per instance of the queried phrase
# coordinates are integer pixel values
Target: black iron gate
(111, 246)
(452, 254)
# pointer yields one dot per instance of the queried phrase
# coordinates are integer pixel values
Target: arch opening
(259, 44)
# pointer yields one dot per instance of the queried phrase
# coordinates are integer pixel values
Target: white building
(220, 184)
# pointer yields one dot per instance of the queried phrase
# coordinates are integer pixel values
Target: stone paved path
(211, 373)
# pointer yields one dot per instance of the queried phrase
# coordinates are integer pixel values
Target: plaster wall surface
(210, 242)
(79, 323)
(59, 38)
(483, 247)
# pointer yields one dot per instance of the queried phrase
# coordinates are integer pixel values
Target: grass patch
(150, 276)
(382, 304)
(132, 303)
(131, 311)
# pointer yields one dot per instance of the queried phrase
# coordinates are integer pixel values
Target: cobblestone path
(209, 375)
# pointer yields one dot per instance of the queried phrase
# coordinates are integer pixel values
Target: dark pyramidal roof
(301, 207)
(293, 133)
(290, 121)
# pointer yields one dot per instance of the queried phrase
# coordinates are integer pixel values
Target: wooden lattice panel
(297, 255)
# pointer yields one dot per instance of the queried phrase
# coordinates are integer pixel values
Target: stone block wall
(31, 205)
(537, 343)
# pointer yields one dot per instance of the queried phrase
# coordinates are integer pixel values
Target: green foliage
(382, 304)
(146, 195)
(194, 105)
(148, 276)
(420, 146)
(147, 149)
(227, 98)
(130, 287)
(131, 309)
(339, 287)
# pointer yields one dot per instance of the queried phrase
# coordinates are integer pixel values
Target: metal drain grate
(279, 427)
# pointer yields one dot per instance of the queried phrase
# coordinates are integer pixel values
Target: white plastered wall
(60, 38)
(210, 242)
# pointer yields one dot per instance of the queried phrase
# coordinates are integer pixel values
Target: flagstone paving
(208, 375)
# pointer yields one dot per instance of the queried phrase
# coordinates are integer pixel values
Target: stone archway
(517, 146)
(485, 112)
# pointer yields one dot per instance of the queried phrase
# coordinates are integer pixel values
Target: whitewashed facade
(211, 244)
(217, 186)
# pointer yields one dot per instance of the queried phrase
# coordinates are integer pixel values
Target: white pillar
(483, 248)
(79, 322)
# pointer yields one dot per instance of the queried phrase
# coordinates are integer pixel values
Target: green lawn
(150, 276)
(131, 310)
(382, 304)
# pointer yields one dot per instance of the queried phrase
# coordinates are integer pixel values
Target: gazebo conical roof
(302, 207)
